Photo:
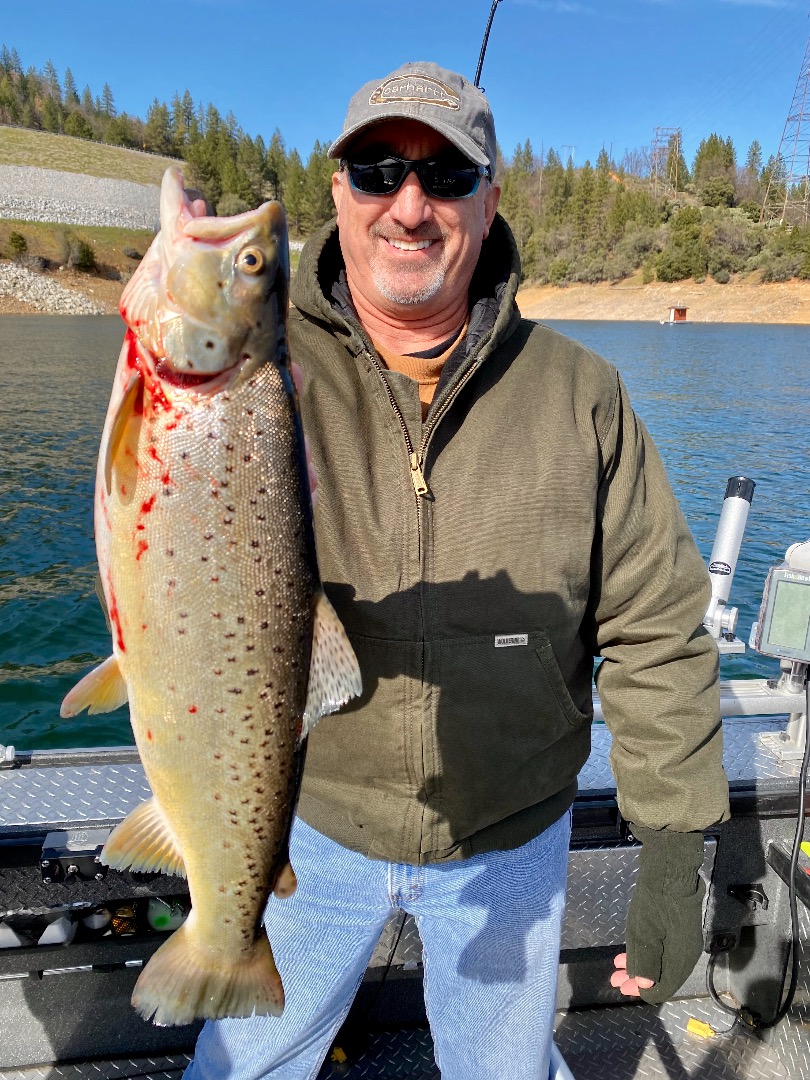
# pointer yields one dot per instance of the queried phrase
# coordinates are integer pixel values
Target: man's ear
(491, 200)
(337, 190)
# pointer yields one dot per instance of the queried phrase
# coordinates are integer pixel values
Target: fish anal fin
(182, 983)
(118, 428)
(144, 842)
(334, 674)
(101, 690)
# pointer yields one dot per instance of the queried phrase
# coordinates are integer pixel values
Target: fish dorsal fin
(144, 842)
(334, 674)
(123, 415)
(101, 690)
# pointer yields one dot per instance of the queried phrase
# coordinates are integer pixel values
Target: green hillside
(24, 146)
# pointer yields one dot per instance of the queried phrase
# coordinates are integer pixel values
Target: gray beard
(396, 295)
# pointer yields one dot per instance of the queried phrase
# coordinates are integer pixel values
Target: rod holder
(720, 620)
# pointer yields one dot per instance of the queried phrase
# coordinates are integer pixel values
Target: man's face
(409, 249)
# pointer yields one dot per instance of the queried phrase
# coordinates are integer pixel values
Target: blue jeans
(490, 930)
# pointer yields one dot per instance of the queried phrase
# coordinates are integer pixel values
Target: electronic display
(783, 629)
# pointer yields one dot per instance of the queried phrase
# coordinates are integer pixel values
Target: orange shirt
(425, 371)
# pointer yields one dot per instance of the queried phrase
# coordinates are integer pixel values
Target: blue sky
(575, 76)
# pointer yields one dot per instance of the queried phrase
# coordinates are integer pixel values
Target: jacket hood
(492, 291)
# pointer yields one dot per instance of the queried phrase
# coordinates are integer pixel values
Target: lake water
(719, 400)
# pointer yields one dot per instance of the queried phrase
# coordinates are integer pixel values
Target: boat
(676, 315)
(83, 932)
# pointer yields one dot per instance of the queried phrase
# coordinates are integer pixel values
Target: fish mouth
(183, 379)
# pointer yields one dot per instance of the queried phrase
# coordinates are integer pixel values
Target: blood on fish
(142, 547)
(160, 403)
(149, 503)
(115, 619)
(133, 359)
(192, 708)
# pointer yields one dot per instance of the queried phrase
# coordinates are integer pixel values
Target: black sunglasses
(439, 178)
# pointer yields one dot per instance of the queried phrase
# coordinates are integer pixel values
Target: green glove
(665, 917)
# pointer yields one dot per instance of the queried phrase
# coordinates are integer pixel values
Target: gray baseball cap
(423, 91)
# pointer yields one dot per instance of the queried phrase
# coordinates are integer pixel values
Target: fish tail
(181, 983)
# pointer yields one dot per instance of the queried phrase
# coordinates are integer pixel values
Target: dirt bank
(738, 302)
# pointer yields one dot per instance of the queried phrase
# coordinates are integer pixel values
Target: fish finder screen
(791, 615)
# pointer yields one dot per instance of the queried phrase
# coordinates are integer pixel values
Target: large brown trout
(223, 642)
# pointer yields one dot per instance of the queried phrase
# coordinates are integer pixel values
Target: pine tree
(51, 80)
(753, 160)
(107, 101)
(294, 192)
(70, 95)
(182, 119)
(157, 133)
(276, 165)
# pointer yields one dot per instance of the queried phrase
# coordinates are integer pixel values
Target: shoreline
(740, 301)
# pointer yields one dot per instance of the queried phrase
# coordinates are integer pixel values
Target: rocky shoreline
(40, 293)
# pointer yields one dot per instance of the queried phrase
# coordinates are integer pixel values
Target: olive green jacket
(547, 534)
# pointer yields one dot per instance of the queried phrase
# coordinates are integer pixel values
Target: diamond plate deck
(628, 1042)
(146, 1068)
(77, 795)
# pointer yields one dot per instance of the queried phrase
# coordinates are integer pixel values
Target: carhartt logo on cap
(415, 87)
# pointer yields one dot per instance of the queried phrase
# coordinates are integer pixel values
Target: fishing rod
(484, 42)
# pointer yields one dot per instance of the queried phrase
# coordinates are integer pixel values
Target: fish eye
(251, 261)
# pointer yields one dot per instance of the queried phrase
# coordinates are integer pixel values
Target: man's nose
(411, 207)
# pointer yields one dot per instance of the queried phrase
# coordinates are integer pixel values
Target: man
(491, 515)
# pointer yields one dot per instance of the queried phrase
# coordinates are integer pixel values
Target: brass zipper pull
(417, 477)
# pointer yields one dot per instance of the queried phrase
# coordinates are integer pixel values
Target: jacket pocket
(505, 733)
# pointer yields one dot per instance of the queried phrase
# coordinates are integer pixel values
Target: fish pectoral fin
(124, 413)
(102, 690)
(144, 842)
(334, 674)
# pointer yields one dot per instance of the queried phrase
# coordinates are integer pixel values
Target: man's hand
(665, 917)
(627, 984)
(298, 379)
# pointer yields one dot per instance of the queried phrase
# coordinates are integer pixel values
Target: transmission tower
(665, 155)
(787, 196)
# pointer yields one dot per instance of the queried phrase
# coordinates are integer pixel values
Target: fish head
(209, 301)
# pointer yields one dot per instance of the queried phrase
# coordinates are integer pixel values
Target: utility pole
(787, 196)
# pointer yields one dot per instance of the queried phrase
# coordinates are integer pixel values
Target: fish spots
(148, 504)
(153, 454)
(149, 735)
(218, 796)
(192, 708)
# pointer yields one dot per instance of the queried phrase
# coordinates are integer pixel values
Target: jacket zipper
(414, 460)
